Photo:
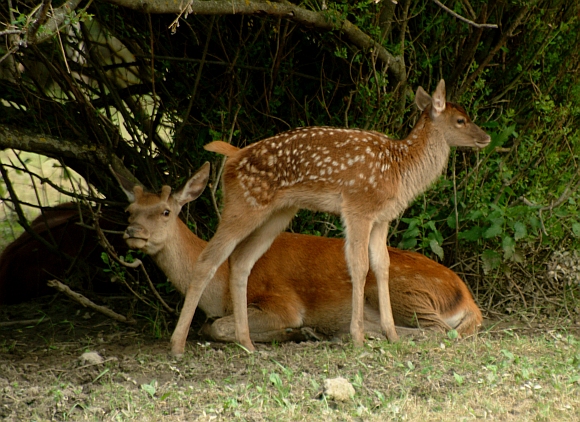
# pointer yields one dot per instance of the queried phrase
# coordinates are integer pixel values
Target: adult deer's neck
(177, 259)
(421, 158)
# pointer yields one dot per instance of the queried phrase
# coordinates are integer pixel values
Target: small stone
(91, 358)
(338, 389)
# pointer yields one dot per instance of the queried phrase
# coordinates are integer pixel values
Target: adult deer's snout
(135, 231)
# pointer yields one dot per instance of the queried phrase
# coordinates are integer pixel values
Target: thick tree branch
(24, 140)
(58, 18)
(28, 35)
(324, 20)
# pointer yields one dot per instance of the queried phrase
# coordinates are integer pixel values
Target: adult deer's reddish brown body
(27, 264)
(301, 281)
(364, 176)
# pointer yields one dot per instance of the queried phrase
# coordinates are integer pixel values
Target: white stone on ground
(338, 389)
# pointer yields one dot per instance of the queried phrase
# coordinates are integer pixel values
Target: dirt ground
(39, 355)
(43, 377)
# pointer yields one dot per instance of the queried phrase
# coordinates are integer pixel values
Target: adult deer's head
(152, 216)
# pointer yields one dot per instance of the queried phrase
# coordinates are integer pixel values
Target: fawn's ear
(422, 99)
(194, 186)
(439, 99)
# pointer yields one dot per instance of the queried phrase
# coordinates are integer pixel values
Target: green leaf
(576, 229)
(491, 260)
(437, 236)
(275, 379)
(472, 234)
(451, 221)
(494, 230)
(508, 245)
(507, 354)
(475, 215)
(105, 257)
(520, 230)
(411, 233)
(150, 388)
(412, 222)
(535, 223)
(499, 138)
(452, 334)
(436, 248)
(407, 243)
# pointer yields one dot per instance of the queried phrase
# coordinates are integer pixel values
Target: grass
(502, 374)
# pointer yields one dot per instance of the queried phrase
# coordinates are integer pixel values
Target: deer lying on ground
(27, 264)
(364, 176)
(301, 281)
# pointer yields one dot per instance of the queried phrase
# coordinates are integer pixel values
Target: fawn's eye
(461, 121)
(166, 213)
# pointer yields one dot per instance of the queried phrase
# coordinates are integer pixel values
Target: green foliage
(150, 388)
(422, 232)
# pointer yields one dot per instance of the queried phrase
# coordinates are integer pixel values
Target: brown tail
(221, 148)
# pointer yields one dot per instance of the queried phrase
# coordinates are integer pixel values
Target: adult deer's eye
(461, 121)
(166, 213)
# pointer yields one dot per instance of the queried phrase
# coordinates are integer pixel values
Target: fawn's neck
(420, 159)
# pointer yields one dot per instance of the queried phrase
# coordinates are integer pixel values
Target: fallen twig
(22, 322)
(88, 303)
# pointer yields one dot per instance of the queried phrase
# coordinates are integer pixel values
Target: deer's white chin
(136, 243)
(483, 144)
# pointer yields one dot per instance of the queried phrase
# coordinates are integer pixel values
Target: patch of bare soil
(44, 377)
(41, 344)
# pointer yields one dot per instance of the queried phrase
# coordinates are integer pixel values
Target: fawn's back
(329, 162)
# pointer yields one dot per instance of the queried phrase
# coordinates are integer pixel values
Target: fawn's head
(153, 218)
(450, 119)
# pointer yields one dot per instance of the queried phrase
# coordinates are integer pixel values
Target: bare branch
(49, 182)
(507, 34)
(461, 18)
(88, 303)
(11, 32)
(324, 20)
(568, 191)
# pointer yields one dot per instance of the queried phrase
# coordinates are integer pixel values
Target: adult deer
(73, 253)
(366, 177)
(301, 281)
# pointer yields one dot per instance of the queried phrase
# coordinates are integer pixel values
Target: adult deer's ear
(127, 185)
(194, 186)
